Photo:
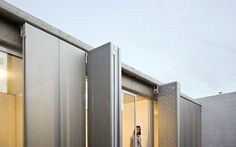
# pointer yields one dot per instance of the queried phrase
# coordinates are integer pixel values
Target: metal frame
(11, 51)
(151, 102)
(135, 103)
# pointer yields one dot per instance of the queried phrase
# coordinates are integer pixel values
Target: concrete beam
(136, 86)
(10, 34)
(18, 16)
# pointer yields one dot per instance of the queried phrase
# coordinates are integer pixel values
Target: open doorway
(136, 121)
(11, 101)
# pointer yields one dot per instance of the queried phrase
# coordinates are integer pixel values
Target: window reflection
(11, 101)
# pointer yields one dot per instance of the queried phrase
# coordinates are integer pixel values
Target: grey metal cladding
(219, 120)
(190, 123)
(54, 91)
(104, 112)
(168, 110)
(72, 95)
(41, 88)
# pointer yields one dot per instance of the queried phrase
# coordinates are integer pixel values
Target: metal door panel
(168, 111)
(41, 88)
(54, 91)
(104, 100)
(72, 97)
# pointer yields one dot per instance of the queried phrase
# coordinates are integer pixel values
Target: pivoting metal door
(104, 97)
(169, 115)
(54, 91)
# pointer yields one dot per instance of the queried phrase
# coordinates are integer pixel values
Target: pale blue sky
(190, 41)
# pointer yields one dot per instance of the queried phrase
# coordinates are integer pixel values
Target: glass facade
(11, 101)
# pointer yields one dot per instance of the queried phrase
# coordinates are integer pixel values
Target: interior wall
(19, 120)
(143, 120)
(155, 124)
(8, 120)
(128, 120)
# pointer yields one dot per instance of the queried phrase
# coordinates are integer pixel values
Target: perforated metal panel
(168, 111)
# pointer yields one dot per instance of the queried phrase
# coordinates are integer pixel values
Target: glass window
(11, 101)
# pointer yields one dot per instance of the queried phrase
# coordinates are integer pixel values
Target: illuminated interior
(155, 124)
(11, 101)
(136, 111)
(128, 120)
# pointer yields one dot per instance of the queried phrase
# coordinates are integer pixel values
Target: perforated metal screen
(168, 110)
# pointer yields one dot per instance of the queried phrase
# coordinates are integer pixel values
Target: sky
(190, 41)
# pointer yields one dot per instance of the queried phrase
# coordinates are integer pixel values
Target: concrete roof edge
(19, 16)
(215, 96)
(139, 75)
(190, 99)
(148, 79)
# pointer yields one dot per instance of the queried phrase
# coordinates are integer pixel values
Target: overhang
(18, 16)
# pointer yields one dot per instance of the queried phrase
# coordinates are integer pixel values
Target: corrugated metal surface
(190, 124)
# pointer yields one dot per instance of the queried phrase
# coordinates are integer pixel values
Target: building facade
(219, 120)
(57, 91)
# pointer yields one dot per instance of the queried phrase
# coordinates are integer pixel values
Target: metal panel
(185, 123)
(104, 100)
(199, 124)
(54, 91)
(168, 110)
(219, 120)
(41, 88)
(72, 98)
(190, 123)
